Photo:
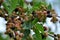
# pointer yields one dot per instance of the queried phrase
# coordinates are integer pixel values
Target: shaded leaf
(21, 3)
(49, 7)
(12, 4)
(35, 21)
(27, 25)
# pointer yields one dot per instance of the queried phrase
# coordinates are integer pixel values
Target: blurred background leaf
(49, 7)
(10, 5)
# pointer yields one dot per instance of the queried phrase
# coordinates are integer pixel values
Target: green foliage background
(10, 5)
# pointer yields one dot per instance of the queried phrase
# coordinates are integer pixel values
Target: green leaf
(5, 6)
(37, 33)
(49, 7)
(36, 4)
(26, 33)
(34, 21)
(4, 38)
(21, 3)
(27, 25)
(13, 5)
(10, 5)
(39, 27)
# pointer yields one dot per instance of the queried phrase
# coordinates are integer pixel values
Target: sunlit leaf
(39, 27)
(36, 4)
(37, 33)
